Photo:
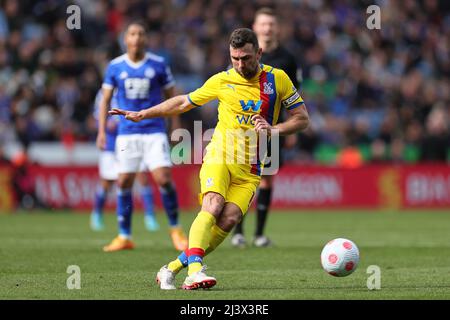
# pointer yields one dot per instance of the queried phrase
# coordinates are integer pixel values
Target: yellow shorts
(233, 181)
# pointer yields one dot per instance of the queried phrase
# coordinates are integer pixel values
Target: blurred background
(379, 100)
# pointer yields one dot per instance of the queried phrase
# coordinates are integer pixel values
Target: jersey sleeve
(208, 92)
(109, 82)
(290, 98)
(167, 79)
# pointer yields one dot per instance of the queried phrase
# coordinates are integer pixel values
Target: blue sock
(124, 211)
(147, 199)
(170, 203)
(99, 202)
(183, 259)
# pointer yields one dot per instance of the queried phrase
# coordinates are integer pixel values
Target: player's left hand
(129, 115)
(261, 124)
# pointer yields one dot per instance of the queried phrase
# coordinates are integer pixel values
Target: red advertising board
(295, 187)
(428, 187)
(377, 186)
(325, 187)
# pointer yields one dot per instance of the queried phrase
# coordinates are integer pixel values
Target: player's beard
(248, 73)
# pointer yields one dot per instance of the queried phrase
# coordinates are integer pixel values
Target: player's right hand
(101, 141)
(129, 115)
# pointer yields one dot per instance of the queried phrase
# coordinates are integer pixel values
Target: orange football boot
(119, 243)
(180, 242)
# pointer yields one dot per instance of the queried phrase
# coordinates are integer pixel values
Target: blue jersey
(139, 86)
(111, 122)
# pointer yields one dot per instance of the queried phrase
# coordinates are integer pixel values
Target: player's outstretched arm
(171, 107)
(174, 121)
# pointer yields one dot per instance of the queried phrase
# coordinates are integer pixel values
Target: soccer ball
(340, 257)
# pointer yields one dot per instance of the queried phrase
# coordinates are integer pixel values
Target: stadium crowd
(373, 95)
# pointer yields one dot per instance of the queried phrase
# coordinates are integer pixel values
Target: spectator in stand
(24, 184)
(436, 142)
(350, 157)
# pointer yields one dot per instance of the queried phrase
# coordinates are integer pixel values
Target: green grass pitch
(411, 248)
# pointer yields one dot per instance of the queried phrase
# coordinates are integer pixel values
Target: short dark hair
(140, 23)
(240, 37)
(267, 11)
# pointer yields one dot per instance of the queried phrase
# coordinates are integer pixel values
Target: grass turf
(411, 248)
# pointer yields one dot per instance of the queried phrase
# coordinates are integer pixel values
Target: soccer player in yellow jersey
(250, 96)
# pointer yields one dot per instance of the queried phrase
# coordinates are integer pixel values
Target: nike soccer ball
(340, 257)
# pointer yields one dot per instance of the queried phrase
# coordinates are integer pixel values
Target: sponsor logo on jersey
(251, 104)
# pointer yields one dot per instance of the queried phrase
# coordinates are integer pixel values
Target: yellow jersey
(240, 98)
